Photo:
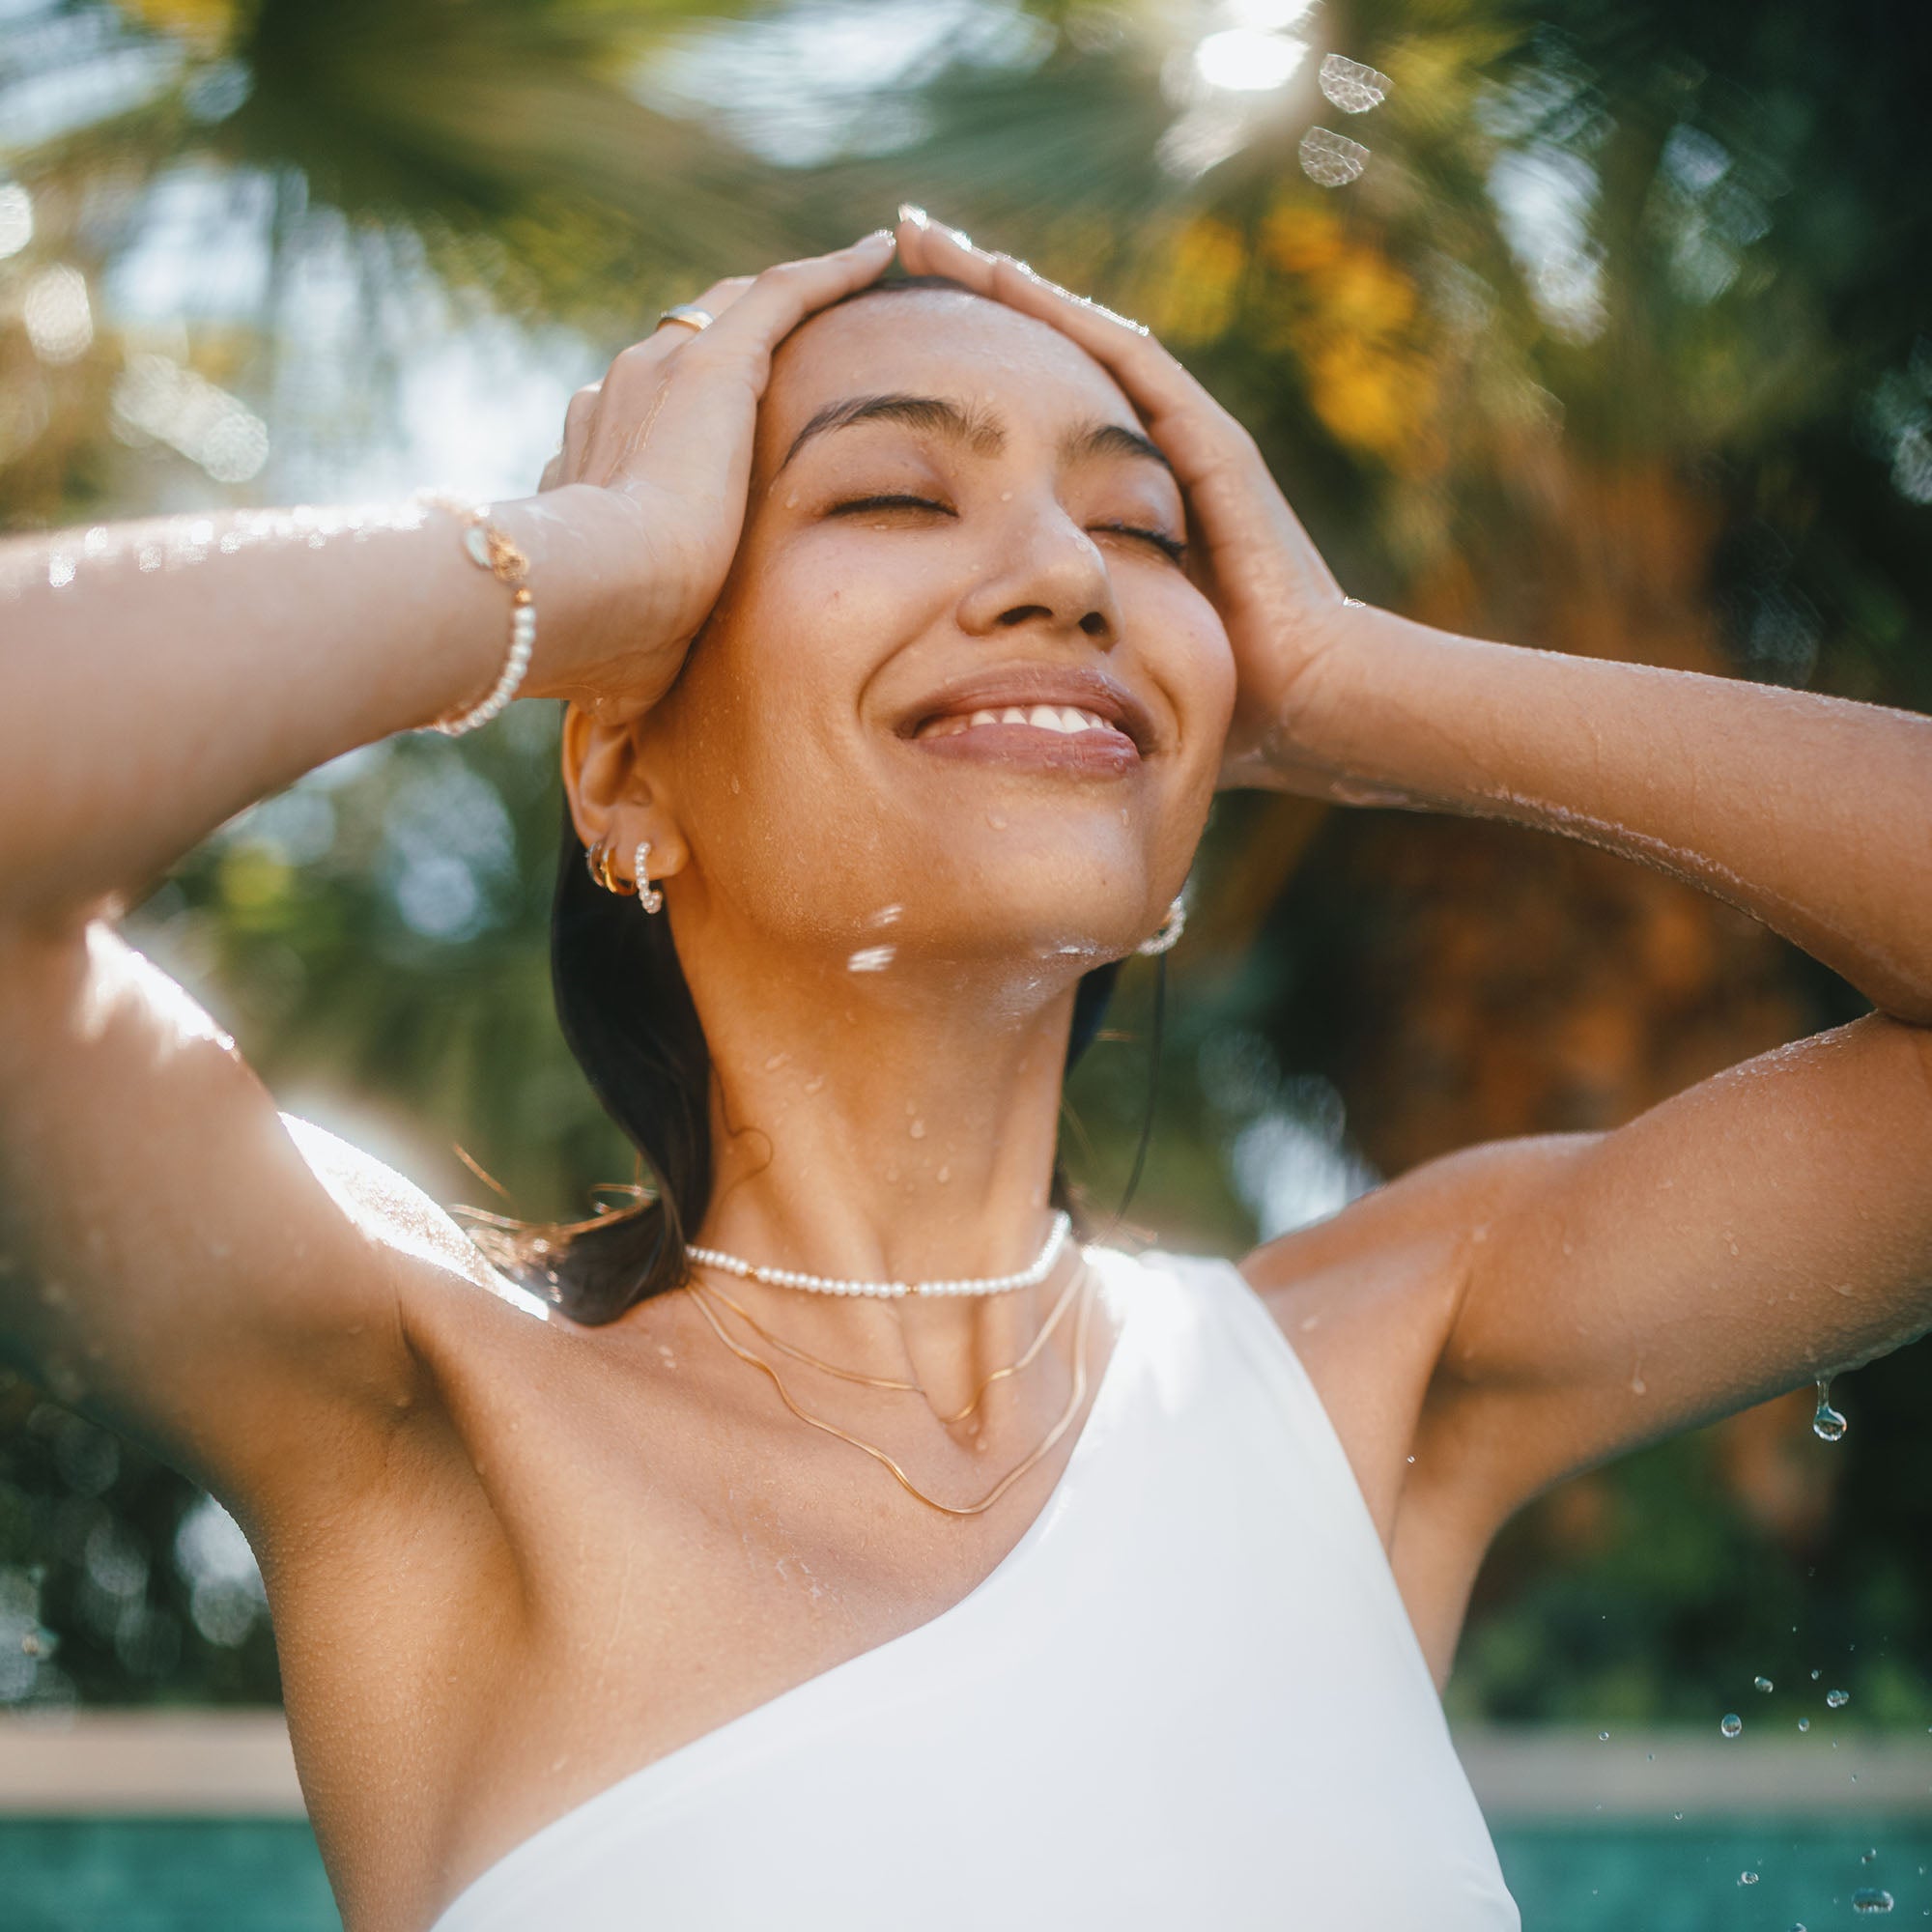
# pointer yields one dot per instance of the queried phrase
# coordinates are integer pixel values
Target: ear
(616, 792)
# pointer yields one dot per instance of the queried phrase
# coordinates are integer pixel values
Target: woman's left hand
(1279, 600)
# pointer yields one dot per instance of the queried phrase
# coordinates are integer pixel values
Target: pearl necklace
(820, 1283)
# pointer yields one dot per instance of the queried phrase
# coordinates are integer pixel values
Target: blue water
(263, 1875)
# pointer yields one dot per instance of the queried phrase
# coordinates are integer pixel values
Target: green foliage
(1704, 436)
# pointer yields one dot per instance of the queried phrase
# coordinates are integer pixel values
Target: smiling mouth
(1066, 721)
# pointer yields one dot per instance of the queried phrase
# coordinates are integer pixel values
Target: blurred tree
(1597, 327)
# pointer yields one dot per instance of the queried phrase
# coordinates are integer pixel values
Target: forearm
(161, 676)
(1812, 813)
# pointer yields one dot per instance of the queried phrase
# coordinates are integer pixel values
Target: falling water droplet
(1731, 1724)
(1871, 1898)
(1837, 1699)
(1804, 1724)
(1815, 1675)
(1603, 1737)
(1826, 1425)
(1748, 1877)
(1866, 1857)
(1761, 1683)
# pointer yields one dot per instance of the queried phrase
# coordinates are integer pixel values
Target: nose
(1049, 573)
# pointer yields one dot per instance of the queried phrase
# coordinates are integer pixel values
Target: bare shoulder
(1369, 1298)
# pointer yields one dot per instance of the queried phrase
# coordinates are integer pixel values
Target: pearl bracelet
(492, 549)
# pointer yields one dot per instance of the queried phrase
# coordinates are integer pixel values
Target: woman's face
(960, 698)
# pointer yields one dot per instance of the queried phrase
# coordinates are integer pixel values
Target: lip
(1084, 687)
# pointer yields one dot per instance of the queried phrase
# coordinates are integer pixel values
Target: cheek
(760, 719)
(1194, 664)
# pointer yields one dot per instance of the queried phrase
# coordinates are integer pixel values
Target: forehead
(937, 342)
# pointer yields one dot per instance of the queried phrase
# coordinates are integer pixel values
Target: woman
(1099, 1589)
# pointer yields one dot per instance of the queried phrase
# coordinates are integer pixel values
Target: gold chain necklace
(879, 1455)
(1013, 1368)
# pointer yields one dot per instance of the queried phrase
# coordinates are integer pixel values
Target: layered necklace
(1078, 1285)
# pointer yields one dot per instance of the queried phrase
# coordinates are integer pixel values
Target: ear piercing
(648, 896)
(598, 859)
(1171, 929)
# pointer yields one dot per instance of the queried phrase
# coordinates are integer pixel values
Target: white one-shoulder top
(1189, 1696)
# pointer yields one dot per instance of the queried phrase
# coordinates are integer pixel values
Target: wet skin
(953, 513)
(510, 1560)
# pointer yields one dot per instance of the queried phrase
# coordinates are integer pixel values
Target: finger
(739, 344)
(1157, 384)
(578, 418)
(782, 297)
(631, 395)
(1215, 458)
(714, 302)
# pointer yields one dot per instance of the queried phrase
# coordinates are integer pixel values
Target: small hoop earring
(598, 859)
(1172, 927)
(648, 896)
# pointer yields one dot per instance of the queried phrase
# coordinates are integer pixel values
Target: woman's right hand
(667, 434)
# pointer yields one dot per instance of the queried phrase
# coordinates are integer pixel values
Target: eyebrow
(977, 429)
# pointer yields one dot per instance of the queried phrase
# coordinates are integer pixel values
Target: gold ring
(690, 314)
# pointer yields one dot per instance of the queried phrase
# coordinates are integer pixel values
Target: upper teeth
(1042, 718)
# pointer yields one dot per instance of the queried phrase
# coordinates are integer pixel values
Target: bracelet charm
(493, 549)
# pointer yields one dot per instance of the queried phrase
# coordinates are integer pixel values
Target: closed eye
(857, 505)
(1171, 548)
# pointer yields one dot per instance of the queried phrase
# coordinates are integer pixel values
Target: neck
(888, 1133)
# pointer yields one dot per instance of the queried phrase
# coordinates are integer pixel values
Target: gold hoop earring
(1172, 927)
(598, 859)
(648, 896)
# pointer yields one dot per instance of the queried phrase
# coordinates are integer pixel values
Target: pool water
(264, 1875)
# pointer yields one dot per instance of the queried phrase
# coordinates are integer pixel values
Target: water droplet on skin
(871, 959)
(917, 1131)
(1006, 496)
(1731, 1724)
(1826, 1425)
(776, 1060)
(791, 502)
(944, 1173)
(1871, 1898)
(1760, 1682)
(1837, 1699)
(734, 785)
(994, 819)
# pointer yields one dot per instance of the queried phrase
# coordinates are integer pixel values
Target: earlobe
(614, 803)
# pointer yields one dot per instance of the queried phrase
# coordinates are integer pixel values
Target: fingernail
(910, 210)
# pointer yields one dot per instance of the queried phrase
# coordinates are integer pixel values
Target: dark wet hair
(628, 1016)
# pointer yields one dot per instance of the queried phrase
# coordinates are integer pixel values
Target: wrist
(592, 580)
(1346, 715)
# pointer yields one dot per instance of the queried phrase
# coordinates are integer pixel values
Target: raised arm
(180, 1261)
(1587, 1292)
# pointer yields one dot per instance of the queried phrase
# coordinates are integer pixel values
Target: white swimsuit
(1188, 1697)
